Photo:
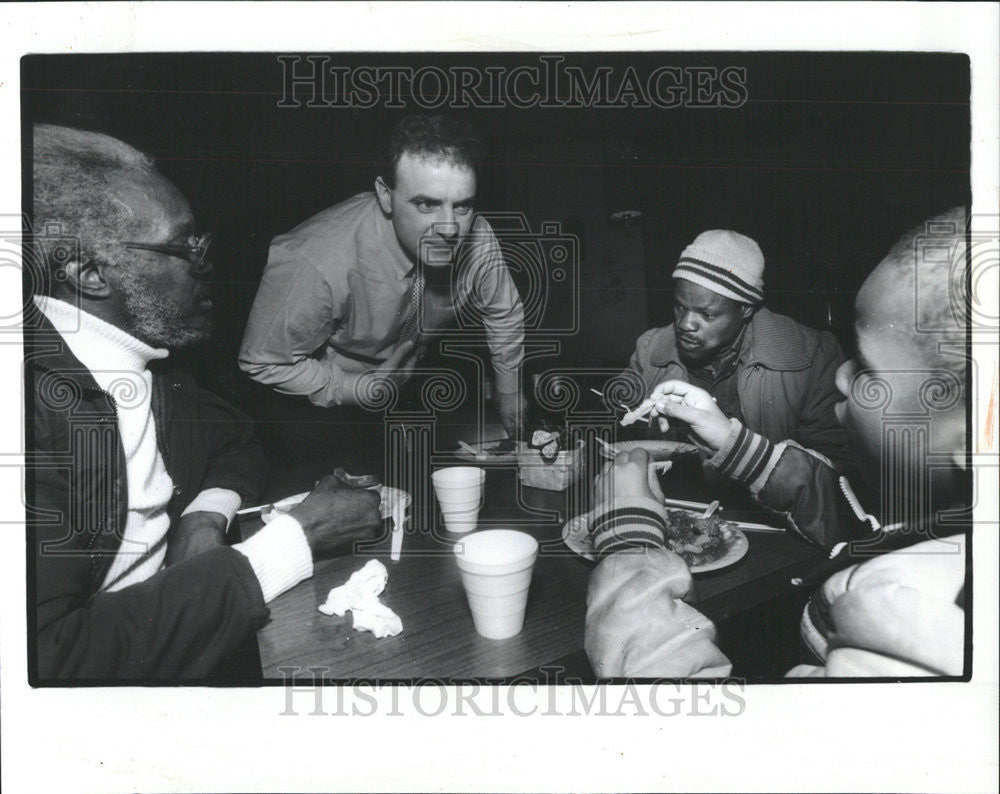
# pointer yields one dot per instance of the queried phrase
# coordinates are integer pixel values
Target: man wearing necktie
(351, 293)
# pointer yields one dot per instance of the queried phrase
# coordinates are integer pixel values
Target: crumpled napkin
(360, 595)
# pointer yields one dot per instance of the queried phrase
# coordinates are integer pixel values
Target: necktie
(413, 324)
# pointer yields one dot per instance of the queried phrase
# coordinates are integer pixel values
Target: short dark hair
(72, 191)
(440, 137)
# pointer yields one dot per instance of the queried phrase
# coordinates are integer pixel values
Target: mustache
(433, 238)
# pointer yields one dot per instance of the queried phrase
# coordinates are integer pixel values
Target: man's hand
(333, 516)
(195, 533)
(706, 424)
(512, 407)
(359, 389)
(628, 475)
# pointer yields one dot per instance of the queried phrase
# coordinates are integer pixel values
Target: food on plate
(698, 541)
(656, 449)
(711, 557)
(502, 449)
(504, 446)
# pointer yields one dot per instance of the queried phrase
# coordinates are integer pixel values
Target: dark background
(829, 161)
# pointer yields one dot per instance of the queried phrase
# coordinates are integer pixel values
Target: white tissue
(360, 595)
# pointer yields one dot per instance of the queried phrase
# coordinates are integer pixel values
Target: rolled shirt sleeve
(488, 288)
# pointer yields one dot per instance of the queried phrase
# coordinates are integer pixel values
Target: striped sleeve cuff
(279, 555)
(215, 500)
(634, 523)
(745, 456)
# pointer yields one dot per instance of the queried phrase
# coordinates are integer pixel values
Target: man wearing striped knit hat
(134, 472)
(770, 372)
(896, 600)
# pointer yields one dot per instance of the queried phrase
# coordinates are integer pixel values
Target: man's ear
(87, 277)
(384, 193)
(746, 311)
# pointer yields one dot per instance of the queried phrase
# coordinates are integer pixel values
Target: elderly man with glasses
(134, 471)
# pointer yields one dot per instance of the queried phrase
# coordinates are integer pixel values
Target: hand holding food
(642, 411)
(707, 425)
(333, 515)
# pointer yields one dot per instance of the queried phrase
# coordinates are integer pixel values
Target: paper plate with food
(499, 451)
(657, 450)
(705, 544)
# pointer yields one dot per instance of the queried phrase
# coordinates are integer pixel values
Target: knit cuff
(279, 555)
(627, 523)
(745, 457)
(215, 500)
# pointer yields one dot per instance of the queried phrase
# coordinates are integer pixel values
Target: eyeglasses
(195, 253)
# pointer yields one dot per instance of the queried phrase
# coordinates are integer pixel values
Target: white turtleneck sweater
(278, 554)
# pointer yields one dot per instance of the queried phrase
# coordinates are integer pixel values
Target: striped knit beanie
(726, 263)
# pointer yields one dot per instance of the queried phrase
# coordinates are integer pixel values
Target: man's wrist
(203, 521)
(309, 533)
(223, 501)
(195, 533)
(627, 523)
(505, 382)
(278, 556)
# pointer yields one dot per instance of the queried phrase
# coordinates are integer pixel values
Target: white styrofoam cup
(496, 567)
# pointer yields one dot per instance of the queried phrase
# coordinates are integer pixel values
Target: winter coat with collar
(786, 387)
(183, 620)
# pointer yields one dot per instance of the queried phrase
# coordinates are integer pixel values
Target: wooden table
(438, 639)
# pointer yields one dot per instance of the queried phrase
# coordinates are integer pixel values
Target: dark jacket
(180, 622)
(786, 385)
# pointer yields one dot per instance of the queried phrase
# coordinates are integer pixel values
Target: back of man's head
(75, 174)
(924, 278)
(431, 137)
